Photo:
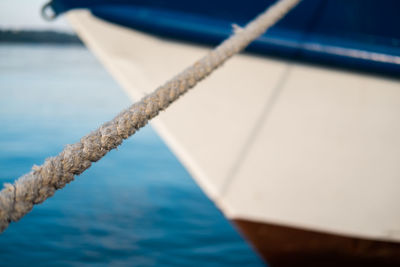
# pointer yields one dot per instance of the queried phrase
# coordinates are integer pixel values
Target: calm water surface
(136, 207)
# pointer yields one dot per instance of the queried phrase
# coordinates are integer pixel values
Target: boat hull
(278, 146)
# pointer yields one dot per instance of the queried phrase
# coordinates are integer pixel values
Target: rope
(18, 199)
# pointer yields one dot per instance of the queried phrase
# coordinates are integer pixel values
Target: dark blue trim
(359, 34)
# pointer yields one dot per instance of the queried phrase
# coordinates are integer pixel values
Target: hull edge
(288, 246)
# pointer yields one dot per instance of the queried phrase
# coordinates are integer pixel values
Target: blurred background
(138, 206)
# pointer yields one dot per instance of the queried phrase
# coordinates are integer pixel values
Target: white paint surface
(268, 141)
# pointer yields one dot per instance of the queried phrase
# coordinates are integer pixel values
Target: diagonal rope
(18, 199)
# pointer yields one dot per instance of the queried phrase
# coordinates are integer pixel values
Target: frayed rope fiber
(17, 199)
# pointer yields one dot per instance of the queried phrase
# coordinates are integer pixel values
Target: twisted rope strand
(17, 199)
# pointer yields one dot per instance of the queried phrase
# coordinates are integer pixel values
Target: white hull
(269, 140)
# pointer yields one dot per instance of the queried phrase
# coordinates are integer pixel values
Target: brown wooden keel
(287, 246)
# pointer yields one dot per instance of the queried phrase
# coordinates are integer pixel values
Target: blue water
(138, 206)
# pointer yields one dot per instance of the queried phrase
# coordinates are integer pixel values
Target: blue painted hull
(362, 35)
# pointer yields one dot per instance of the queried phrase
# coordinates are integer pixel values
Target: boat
(297, 140)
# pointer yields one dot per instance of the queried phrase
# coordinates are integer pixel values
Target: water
(136, 207)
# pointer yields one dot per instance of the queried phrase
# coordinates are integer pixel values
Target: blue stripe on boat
(355, 34)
